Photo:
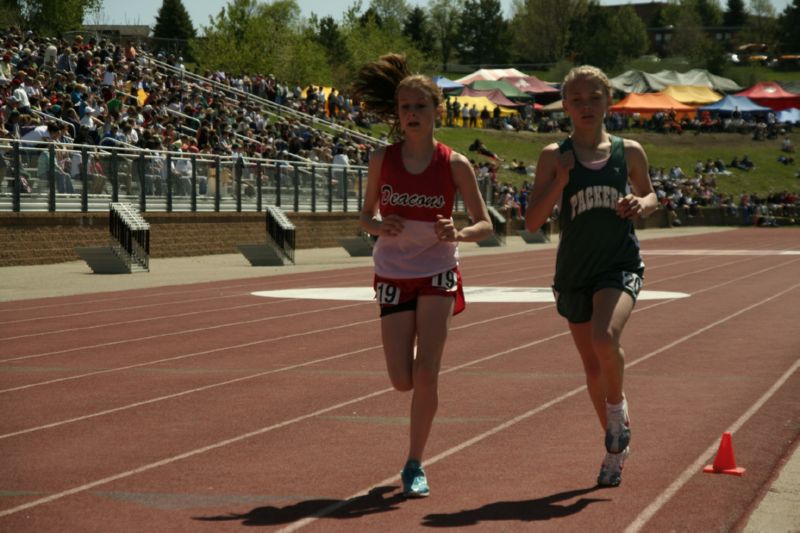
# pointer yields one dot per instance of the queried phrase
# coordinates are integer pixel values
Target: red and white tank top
(417, 198)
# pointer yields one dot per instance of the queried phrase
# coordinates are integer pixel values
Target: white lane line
(233, 440)
(193, 289)
(182, 393)
(447, 453)
(237, 380)
(185, 455)
(165, 304)
(505, 425)
(121, 309)
(640, 521)
(214, 310)
(186, 356)
(176, 333)
(720, 252)
(274, 280)
(294, 526)
(139, 320)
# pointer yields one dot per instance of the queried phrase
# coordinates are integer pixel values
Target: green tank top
(594, 240)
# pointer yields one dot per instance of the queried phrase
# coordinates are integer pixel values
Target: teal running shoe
(415, 484)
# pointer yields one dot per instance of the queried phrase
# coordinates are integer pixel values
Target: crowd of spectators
(94, 92)
(679, 193)
(762, 126)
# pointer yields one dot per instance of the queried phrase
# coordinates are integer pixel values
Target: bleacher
(187, 179)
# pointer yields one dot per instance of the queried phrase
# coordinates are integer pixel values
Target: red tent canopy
(648, 104)
(530, 84)
(771, 95)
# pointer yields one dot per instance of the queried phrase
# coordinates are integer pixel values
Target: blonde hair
(378, 83)
(586, 72)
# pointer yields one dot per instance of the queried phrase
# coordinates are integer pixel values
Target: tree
(327, 34)
(631, 33)
(445, 15)
(174, 25)
(788, 23)
(689, 38)
(417, 30)
(366, 42)
(706, 12)
(735, 15)
(371, 16)
(482, 33)
(54, 17)
(607, 37)
(761, 25)
(709, 11)
(541, 29)
(392, 13)
(10, 13)
(251, 37)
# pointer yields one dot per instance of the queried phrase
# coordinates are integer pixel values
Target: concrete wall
(40, 238)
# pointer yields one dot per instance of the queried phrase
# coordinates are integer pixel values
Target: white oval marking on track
(473, 294)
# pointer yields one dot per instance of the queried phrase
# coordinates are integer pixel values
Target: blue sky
(144, 11)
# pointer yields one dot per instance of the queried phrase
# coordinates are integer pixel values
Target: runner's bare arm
(552, 174)
(369, 219)
(643, 201)
(481, 227)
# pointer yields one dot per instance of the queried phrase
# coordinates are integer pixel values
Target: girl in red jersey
(408, 204)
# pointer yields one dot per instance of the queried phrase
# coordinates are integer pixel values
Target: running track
(205, 408)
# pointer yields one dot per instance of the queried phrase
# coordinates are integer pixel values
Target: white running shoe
(611, 470)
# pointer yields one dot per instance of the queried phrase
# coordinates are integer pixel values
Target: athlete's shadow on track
(524, 510)
(378, 500)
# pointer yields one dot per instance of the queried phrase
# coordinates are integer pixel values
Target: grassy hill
(662, 150)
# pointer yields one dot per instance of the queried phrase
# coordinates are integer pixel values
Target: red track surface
(204, 408)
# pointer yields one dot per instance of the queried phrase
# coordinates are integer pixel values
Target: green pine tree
(174, 26)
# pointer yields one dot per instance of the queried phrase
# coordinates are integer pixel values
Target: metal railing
(48, 176)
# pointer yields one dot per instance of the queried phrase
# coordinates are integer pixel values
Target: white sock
(616, 407)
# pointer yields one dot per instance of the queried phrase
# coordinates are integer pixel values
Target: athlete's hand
(445, 229)
(629, 207)
(391, 226)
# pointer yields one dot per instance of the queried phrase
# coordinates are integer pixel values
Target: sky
(145, 11)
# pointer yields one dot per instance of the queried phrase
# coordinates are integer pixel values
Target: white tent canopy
(492, 74)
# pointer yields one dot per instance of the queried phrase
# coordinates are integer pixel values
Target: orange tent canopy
(648, 104)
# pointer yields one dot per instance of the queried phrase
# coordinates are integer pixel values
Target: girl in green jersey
(601, 184)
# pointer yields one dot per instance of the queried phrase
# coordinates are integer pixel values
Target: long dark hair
(378, 82)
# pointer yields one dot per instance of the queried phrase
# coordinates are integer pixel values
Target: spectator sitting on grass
(481, 148)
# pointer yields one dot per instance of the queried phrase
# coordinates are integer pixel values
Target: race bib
(445, 280)
(387, 293)
(633, 282)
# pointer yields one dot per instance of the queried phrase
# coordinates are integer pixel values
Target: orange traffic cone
(725, 462)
